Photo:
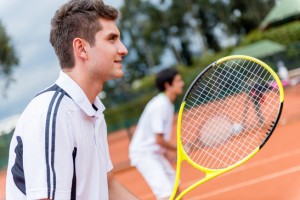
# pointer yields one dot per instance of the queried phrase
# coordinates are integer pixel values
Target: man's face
(177, 85)
(105, 57)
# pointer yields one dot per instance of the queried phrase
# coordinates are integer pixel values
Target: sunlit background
(186, 34)
(158, 34)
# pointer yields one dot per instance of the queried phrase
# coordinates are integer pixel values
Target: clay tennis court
(272, 174)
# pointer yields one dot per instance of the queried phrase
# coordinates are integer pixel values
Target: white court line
(248, 183)
(264, 161)
(246, 167)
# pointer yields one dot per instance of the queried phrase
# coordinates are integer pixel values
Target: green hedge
(126, 114)
(286, 34)
(4, 149)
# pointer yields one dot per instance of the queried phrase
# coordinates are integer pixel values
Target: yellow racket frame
(211, 173)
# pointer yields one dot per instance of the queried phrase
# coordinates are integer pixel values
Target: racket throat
(209, 175)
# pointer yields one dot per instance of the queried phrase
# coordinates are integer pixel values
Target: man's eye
(113, 38)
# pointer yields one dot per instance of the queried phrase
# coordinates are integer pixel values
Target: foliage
(4, 148)
(286, 34)
(132, 109)
(127, 113)
(150, 28)
(165, 33)
(8, 57)
(246, 15)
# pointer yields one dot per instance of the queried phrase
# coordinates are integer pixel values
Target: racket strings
(216, 142)
(233, 155)
(227, 89)
(244, 89)
(220, 104)
(251, 87)
(213, 140)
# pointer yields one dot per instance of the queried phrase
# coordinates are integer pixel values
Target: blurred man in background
(151, 150)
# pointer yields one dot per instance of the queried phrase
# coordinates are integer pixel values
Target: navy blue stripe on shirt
(47, 130)
(53, 141)
(51, 124)
(73, 190)
(17, 169)
(53, 88)
(95, 107)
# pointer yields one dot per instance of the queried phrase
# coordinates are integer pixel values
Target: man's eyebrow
(113, 35)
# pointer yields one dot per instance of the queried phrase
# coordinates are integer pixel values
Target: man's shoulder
(159, 100)
(47, 101)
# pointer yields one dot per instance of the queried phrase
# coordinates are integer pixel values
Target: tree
(152, 28)
(246, 15)
(8, 57)
(143, 30)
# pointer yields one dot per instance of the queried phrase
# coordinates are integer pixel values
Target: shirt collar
(76, 93)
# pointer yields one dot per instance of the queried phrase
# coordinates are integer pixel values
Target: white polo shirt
(157, 117)
(59, 149)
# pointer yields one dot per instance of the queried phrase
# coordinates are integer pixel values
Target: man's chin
(117, 75)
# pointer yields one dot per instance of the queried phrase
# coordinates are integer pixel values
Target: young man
(59, 149)
(150, 145)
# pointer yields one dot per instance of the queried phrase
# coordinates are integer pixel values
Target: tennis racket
(227, 115)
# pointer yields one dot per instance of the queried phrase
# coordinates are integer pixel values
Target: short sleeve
(158, 119)
(47, 153)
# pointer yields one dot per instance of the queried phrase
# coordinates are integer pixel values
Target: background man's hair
(77, 18)
(165, 76)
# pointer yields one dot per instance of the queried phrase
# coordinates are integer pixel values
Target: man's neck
(170, 95)
(90, 89)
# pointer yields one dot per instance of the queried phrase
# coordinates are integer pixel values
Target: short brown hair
(165, 76)
(77, 18)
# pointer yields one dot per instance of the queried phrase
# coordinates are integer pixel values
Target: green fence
(4, 148)
(3, 164)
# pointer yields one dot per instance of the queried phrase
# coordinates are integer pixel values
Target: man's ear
(79, 47)
(167, 85)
